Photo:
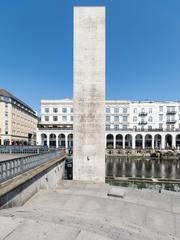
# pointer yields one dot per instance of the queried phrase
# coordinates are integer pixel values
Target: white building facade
(129, 124)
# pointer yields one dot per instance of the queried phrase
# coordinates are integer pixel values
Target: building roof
(5, 93)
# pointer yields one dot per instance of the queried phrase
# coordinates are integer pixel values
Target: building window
(46, 118)
(71, 118)
(160, 126)
(149, 127)
(160, 117)
(6, 114)
(124, 127)
(150, 119)
(64, 110)
(71, 110)
(107, 110)
(150, 110)
(116, 110)
(116, 127)
(135, 110)
(124, 110)
(142, 110)
(172, 127)
(55, 118)
(179, 117)
(64, 118)
(160, 108)
(134, 119)
(108, 118)
(116, 118)
(170, 108)
(46, 110)
(107, 127)
(124, 118)
(55, 110)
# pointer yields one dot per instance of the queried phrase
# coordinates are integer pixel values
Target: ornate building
(129, 124)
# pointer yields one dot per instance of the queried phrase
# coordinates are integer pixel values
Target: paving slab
(8, 225)
(86, 212)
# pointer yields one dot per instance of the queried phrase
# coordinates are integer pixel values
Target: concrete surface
(18, 190)
(89, 94)
(78, 211)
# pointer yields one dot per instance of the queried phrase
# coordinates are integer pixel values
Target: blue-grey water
(142, 167)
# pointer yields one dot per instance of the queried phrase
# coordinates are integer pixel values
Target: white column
(173, 141)
(162, 142)
(57, 141)
(152, 142)
(48, 140)
(39, 139)
(123, 142)
(133, 142)
(66, 141)
(114, 141)
(143, 142)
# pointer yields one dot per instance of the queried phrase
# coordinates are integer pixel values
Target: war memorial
(39, 204)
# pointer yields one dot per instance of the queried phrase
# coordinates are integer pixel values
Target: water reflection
(143, 168)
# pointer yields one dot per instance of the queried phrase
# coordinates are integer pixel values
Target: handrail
(23, 149)
(13, 167)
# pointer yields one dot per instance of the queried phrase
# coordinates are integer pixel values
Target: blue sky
(143, 49)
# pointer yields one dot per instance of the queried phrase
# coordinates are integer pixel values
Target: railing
(142, 123)
(23, 149)
(16, 166)
(171, 121)
(143, 114)
(55, 128)
(144, 130)
(171, 112)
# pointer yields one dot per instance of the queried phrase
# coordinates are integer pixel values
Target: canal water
(142, 168)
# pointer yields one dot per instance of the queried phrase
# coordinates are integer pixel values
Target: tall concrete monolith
(89, 94)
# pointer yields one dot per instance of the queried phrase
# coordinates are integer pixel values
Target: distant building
(18, 122)
(129, 124)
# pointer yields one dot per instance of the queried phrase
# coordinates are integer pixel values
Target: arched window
(109, 141)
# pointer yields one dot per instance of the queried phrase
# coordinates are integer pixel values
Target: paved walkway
(81, 211)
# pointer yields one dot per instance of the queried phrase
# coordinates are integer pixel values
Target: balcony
(142, 123)
(171, 112)
(170, 121)
(55, 127)
(142, 114)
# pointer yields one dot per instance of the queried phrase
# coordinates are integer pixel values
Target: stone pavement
(83, 211)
